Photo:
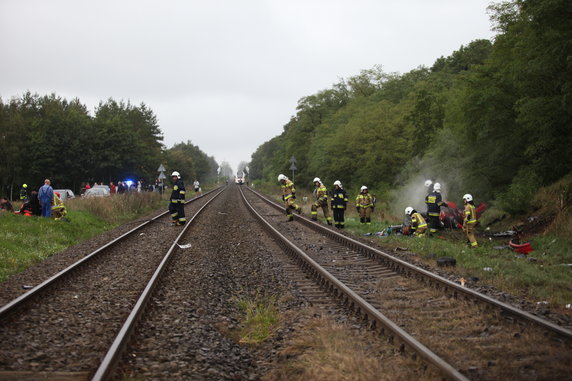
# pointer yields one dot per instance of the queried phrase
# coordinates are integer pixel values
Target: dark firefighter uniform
(469, 223)
(177, 205)
(24, 193)
(289, 198)
(418, 224)
(434, 202)
(321, 194)
(339, 203)
(364, 206)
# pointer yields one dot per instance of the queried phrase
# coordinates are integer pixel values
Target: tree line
(51, 137)
(493, 119)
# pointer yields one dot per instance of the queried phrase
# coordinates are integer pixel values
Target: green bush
(520, 194)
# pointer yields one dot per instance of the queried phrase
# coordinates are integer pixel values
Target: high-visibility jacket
(178, 193)
(339, 198)
(470, 215)
(23, 194)
(321, 193)
(364, 200)
(434, 202)
(288, 190)
(417, 221)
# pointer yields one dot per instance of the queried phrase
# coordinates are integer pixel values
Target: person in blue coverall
(46, 197)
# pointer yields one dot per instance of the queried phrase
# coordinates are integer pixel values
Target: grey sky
(226, 75)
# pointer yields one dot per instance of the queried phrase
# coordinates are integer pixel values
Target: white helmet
(282, 177)
(317, 179)
(408, 210)
(175, 173)
(428, 183)
(363, 187)
(338, 183)
(468, 197)
(437, 187)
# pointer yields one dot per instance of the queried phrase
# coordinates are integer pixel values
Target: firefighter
(321, 195)
(24, 193)
(365, 204)
(434, 202)
(289, 196)
(58, 208)
(339, 203)
(177, 204)
(470, 220)
(428, 184)
(418, 224)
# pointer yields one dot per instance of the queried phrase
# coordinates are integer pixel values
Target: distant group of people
(44, 202)
(365, 202)
(434, 202)
(365, 205)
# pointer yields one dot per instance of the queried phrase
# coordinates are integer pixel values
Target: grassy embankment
(28, 240)
(542, 275)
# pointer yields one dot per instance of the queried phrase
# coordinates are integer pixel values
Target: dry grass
(556, 200)
(325, 350)
(117, 208)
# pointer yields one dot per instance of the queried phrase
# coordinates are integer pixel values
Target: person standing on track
(197, 186)
(289, 196)
(339, 204)
(321, 194)
(177, 204)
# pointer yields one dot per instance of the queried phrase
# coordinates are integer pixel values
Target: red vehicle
(453, 216)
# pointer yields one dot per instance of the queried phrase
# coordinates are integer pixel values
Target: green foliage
(520, 194)
(493, 118)
(190, 162)
(51, 137)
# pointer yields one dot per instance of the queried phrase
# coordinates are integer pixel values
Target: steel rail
(116, 349)
(11, 306)
(409, 269)
(336, 287)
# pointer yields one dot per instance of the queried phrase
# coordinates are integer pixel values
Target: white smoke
(413, 194)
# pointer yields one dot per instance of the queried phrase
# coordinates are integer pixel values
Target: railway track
(63, 327)
(193, 327)
(85, 323)
(465, 334)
